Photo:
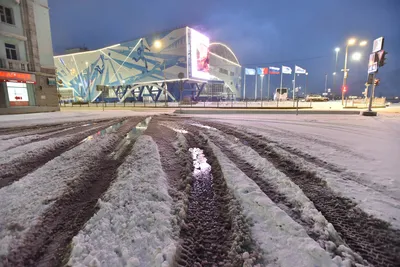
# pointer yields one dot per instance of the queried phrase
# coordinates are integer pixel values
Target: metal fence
(195, 104)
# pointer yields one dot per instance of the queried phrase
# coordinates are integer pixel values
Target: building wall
(227, 71)
(32, 36)
(132, 62)
(13, 29)
(43, 31)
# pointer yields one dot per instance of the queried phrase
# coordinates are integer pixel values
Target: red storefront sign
(18, 77)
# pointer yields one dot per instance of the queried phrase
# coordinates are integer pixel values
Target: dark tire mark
(372, 238)
(44, 128)
(177, 165)
(18, 168)
(47, 244)
(212, 230)
(216, 232)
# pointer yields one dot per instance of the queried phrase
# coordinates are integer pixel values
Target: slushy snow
(133, 225)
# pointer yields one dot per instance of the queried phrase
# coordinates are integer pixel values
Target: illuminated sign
(199, 55)
(17, 94)
(6, 76)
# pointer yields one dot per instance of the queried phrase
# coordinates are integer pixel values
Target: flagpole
(244, 85)
(268, 82)
(280, 88)
(261, 89)
(294, 83)
(255, 88)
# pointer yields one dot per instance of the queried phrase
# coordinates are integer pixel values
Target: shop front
(17, 89)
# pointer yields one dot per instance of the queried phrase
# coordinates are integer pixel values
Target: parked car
(316, 98)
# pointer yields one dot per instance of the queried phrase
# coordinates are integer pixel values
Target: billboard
(199, 61)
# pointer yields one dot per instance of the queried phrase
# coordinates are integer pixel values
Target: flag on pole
(262, 71)
(299, 70)
(286, 70)
(250, 71)
(274, 70)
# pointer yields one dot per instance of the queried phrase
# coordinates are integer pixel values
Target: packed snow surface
(365, 149)
(133, 225)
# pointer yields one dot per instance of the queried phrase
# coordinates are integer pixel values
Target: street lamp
(88, 79)
(350, 42)
(157, 44)
(356, 56)
(337, 49)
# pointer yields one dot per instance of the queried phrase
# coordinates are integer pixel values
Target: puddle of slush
(110, 129)
(201, 167)
(130, 137)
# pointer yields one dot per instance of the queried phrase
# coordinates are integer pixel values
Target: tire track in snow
(216, 232)
(284, 193)
(30, 160)
(46, 244)
(372, 238)
(210, 226)
(42, 129)
(63, 131)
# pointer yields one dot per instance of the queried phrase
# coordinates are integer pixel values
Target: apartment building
(27, 71)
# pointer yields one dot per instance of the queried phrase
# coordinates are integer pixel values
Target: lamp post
(88, 80)
(350, 42)
(337, 49)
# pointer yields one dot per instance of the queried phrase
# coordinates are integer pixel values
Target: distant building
(141, 70)
(76, 50)
(27, 71)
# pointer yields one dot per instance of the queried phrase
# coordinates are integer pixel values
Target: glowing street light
(334, 73)
(337, 49)
(356, 56)
(157, 44)
(351, 41)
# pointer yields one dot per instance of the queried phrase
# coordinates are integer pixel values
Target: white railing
(15, 65)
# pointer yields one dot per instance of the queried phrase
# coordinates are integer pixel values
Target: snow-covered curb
(133, 226)
(282, 240)
(23, 202)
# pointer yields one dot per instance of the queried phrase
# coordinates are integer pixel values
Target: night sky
(261, 32)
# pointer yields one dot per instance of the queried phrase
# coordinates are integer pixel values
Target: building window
(11, 51)
(6, 15)
(232, 73)
(224, 71)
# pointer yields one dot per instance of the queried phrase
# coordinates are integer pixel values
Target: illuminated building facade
(146, 69)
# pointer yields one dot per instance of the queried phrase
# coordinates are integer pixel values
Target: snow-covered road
(264, 190)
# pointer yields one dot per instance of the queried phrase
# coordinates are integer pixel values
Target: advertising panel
(199, 55)
(17, 94)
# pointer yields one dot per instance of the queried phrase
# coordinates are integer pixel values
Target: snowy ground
(75, 115)
(248, 190)
(364, 147)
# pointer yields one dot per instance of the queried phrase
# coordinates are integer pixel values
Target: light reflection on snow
(110, 129)
(131, 137)
(201, 167)
(203, 126)
(180, 130)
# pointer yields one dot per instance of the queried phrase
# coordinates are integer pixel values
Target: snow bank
(282, 240)
(23, 202)
(133, 225)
